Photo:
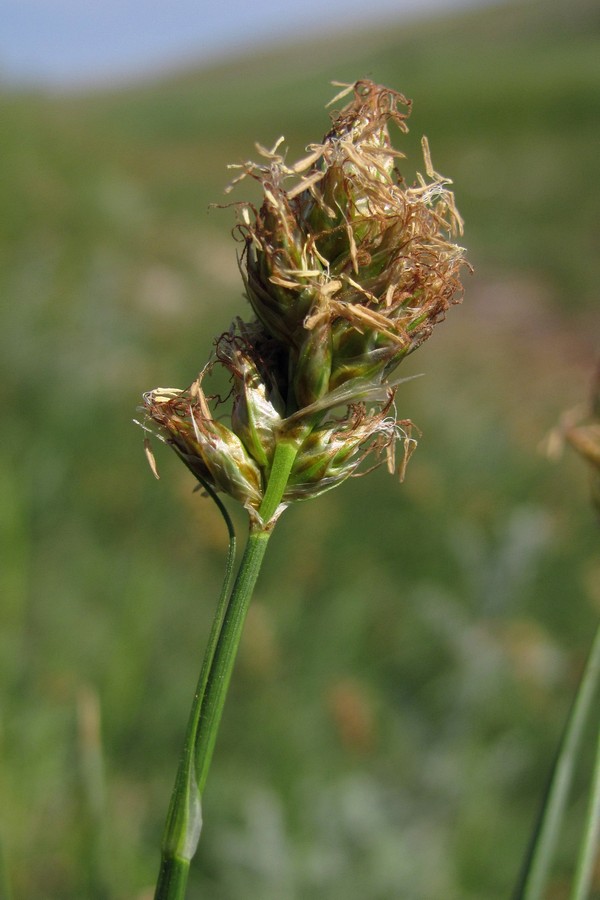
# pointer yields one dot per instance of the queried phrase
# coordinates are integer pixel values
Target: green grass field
(397, 703)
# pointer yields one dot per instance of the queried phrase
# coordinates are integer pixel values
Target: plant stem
(283, 460)
(235, 615)
(591, 838)
(93, 824)
(184, 821)
(589, 845)
(536, 868)
(172, 878)
(229, 639)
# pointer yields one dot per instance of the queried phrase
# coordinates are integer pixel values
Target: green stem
(184, 821)
(229, 639)
(283, 460)
(591, 839)
(537, 864)
(172, 878)
(231, 631)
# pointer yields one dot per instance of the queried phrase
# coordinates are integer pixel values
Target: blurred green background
(412, 650)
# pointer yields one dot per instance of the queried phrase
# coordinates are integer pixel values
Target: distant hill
(508, 96)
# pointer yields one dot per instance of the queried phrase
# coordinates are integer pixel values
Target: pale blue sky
(69, 42)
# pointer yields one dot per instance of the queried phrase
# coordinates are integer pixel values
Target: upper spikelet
(343, 263)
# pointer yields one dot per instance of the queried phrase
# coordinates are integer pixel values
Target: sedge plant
(347, 269)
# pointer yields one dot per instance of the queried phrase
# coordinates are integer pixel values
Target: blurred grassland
(412, 651)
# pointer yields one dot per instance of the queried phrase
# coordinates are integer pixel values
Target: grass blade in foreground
(591, 839)
(347, 270)
(536, 869)
(585, 439)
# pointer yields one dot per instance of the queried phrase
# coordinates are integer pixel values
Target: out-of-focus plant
(584, 437)
(581, 429)
(347, 269)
